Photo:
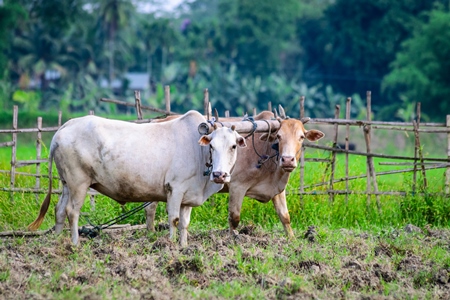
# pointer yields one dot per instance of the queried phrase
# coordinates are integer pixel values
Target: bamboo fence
(420, 163)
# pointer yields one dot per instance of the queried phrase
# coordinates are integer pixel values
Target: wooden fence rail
(420, 163)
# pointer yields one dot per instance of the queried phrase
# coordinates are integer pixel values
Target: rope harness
(262, 158)
(208, 164)
(95, 230)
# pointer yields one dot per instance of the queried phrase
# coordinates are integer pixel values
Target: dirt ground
(319, 264)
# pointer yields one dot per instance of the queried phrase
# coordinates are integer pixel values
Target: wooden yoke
(243, 126)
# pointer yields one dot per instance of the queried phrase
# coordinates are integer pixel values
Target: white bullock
(139, 163)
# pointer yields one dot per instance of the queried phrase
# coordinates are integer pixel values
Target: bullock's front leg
(185, 219)
(173, 210)
(150, 212)
(279, 201)
(60, 210)
(234, 209)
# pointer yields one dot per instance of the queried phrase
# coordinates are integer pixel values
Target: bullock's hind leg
(60, 209)
(77, 194)
(150, 212)
(234, 209)
(185, 218)
(279, 201)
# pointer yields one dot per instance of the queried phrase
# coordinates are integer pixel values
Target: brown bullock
(262, 170)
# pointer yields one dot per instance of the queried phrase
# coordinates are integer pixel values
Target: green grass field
(355, 211)
(346, 248)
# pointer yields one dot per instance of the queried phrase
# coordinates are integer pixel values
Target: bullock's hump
(192, 116)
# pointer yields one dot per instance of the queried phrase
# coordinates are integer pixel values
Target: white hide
(137, 163)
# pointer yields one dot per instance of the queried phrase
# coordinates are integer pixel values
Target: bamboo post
(333, 153)
(447, 172)
(59, 118)
(368, 185)
(137, 99)
(14, 151)
(419, 105)
(302, 156)
(254, 111)
(59, 125)
(91, 113)
(167, 97)
(416, 146)
(419, 153)
(371, 176)
(227, 114)
(38, 156)
(302, 107)
(347, 137)
(206, 104)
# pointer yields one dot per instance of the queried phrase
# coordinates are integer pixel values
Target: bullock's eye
(302, 137)
(278, 136)
(233, 147)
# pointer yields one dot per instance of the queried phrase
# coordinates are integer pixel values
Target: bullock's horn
(282, 112)
(305, 120)
(216, 114)
(275, 112)
(233, 127)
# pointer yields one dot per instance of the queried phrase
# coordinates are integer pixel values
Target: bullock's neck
(282, 176)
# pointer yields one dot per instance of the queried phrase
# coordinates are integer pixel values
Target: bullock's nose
(219, 177)
(288, 163)
(287, 159)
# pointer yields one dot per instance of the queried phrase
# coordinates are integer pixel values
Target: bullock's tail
(44, 207)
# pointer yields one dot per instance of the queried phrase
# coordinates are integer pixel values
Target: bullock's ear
(241, 141)
(268, 137)
(314, 135)
(204, 140)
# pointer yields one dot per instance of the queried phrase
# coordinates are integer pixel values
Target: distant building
(131, 81)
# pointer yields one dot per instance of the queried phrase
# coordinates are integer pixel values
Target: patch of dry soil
(141, 265)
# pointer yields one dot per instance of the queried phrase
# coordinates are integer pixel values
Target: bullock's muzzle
(288, 163)
(220, 177)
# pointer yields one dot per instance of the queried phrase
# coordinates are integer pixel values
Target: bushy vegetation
(65, 55)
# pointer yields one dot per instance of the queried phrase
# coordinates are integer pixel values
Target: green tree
(37, 51)
(114, 16)
(420, 72)
(10, 13)
(38, 46)
(160, 37)
(254, 34)
(54, 15)
(353, 43)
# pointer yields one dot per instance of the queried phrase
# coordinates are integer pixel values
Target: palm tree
(114, 15)
(158, 34)
(37, 51)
